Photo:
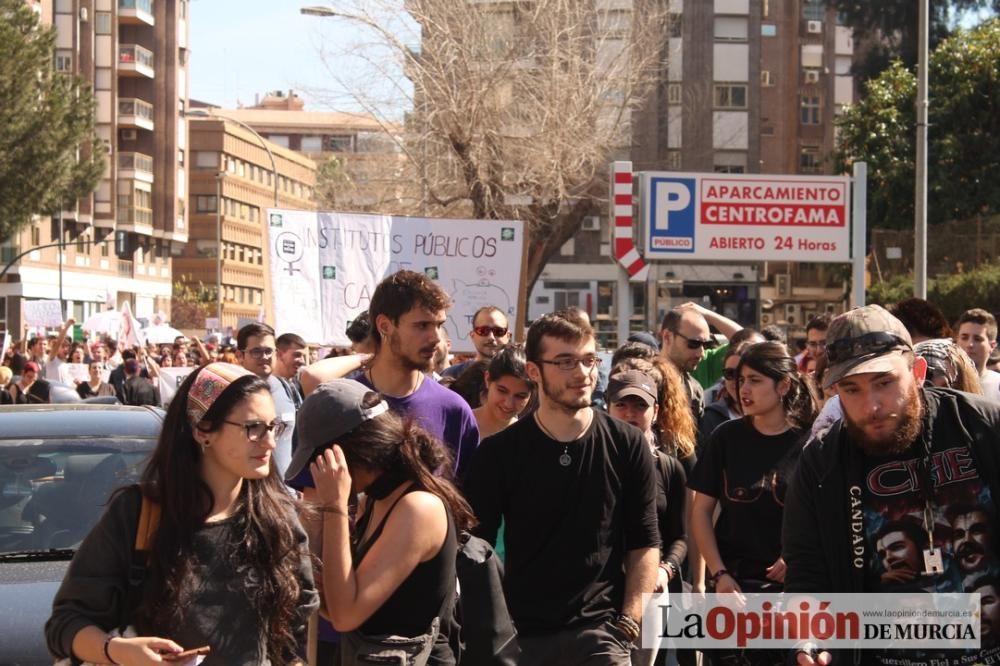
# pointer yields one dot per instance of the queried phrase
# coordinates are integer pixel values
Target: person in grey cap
(395, 575)
(903, 452)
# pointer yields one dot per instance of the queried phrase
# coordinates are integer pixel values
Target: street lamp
(202, 113)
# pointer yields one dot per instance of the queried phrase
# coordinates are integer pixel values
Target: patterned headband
(211, 381)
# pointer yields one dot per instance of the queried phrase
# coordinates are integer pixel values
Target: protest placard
(43, 313)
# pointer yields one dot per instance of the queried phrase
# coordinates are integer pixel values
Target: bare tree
(513, 109)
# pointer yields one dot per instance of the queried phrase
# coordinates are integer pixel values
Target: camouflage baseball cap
(863, 340)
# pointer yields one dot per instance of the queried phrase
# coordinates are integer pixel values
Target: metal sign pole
(859, 218)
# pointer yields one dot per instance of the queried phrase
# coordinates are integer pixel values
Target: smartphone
(194, 652)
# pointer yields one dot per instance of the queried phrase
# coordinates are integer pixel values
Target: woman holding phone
(228, 567)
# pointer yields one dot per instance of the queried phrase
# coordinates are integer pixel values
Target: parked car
(59, 465)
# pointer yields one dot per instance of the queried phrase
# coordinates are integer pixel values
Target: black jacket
(823, 539)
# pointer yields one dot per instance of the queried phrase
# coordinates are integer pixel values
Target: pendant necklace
(565, 459)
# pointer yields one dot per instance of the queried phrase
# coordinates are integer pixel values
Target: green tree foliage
(954, 293)
(49, 152)
(190, 305)
(963, 140)
(331, 180)
(890, 27)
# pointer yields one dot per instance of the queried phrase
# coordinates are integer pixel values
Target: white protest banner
(4, 346)
(70, 373)
(129, 331)
(169, 380)
(325, 266)
(43, 313)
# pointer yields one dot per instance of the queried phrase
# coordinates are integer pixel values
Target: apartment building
(751, 86)
(233, 183)
(121, 238)
(372, 168)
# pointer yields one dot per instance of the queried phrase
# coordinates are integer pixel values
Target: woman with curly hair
(228, 566)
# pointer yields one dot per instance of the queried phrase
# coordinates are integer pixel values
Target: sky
(243, 48)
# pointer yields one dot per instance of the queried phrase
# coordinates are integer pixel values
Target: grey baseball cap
(331, 411)
(632, 383)
(863, 340)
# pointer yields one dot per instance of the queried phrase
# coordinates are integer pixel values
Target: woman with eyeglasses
(745, 468)
(227, 566)
(726, 406)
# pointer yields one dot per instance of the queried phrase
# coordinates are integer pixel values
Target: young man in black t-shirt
(576, 492)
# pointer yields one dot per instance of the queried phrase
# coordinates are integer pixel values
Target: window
(337, 144)
(731, 28)
(813, 10)
(104, 249)
(809, 159)
(730, 96)
(768, 30)
(64, 60)
(312, 144)
(676, 25)
(102, 78)
(36, 236)
(241, 169)
(102, 23)
(809, 111)
(64, 6)
(280, 139)
(182, 9)
(180, 156)
(728, 168)
(182, 56)
(206, 160)
(673, 93)
(206, 203)
(673, 159)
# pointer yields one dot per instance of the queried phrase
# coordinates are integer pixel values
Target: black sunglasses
(846, 349)
(694, 343)
(729, 374)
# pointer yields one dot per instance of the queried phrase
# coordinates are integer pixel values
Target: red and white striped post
(625, 251)
(633, 267)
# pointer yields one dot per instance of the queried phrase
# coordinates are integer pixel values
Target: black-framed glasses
(694, 343)
(870, 343)
(483, 331)
(568, 363)
(729, 374)
(259, 353)
(257, 430)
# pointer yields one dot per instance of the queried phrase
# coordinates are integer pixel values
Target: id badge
(933, 561)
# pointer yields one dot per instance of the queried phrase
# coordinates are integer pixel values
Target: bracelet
(333, 509)
(714, 578)
(107, 644)
(670, 568)
(628, 626)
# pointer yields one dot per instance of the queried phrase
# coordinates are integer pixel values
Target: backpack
(488, 636)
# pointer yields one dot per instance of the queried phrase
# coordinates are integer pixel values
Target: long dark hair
(403, 450)
(771, 359)
(265, 553)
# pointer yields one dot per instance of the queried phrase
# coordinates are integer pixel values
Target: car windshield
(52, 491)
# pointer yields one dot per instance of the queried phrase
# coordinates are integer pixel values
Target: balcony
(125, 269)
(135, 12)
(136, 220)
(136, 166)
(135, 113)
(135, 61)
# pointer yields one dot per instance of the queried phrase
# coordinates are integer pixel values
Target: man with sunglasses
(902, 453)
(576, 492)
(686, 337)
(489, 333)
(255, 350)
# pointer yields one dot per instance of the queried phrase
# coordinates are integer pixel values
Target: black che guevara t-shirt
(566, 528)
(748, 473)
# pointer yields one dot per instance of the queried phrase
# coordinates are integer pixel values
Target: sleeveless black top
(428, 589)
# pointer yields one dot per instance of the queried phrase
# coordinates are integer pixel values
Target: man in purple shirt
(408, 312)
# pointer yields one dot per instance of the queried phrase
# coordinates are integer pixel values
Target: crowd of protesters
(705, 457)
